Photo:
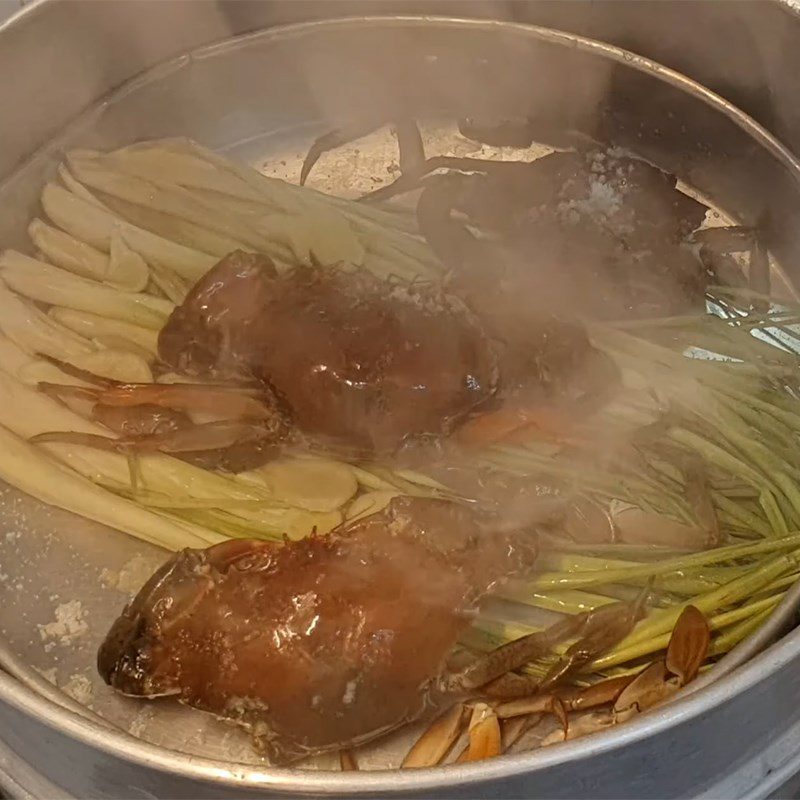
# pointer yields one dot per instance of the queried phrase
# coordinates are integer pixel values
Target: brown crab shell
(315, 644)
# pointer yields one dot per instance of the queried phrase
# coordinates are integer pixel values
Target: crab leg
(59, 391)
(409, 142)
(411, 150)
(602, 629)
(718, 242)
(513, 655)
(508, 133)
(333, 139)
(598, 694)
(234, 401)
(407, 182)
(77, 372)
(197, 438)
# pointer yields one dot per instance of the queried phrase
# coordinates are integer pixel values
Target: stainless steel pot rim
(122, 745)
(127, 748)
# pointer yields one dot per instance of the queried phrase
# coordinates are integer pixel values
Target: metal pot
(257, 95)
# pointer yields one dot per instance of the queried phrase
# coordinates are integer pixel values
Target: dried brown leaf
(688, 645)
(484, 734)
(436, 741)
(347, 761)
(649, 688)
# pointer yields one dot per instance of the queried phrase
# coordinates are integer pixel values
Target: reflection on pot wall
(746, 51)
(742, 50)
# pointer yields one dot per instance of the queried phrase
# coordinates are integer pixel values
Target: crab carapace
(321, 643)
(344, 361)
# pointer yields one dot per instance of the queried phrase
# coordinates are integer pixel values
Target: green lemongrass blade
(762, 421)
(199, 520)
(778, 585)
(644, 553)
(370, 480)
(421, 479)
(753, 400)
(790, 491)
(740, 513)
(394, 480)
(623, 654)
(663, 620)
(683, 582)
(556, 561)
(568, 601)
(737, 633)
(716, 556)
(618, 672)
(773, 513)
(691, 585)
(726, 618)
(717, 455)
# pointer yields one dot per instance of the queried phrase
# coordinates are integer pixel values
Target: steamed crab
(329, 359)
(329, 642)
(595, 231)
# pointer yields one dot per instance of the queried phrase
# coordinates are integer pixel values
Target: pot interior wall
(254, 95)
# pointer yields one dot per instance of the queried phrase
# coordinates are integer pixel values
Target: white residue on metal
(69, 624)
(372, 161)
(140, 721)
(48, 674)
(79, 688)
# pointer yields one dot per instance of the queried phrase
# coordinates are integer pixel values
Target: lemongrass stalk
(557, 561)
(682, 582)
(737, 633)
(569, 601)
(663, 620)
(726, 618)
(622, 655)
(33, 471)
(421, 479)
(620, 575)
(773, 512)
(779, 431)
(396, 481)
(518, 461)
(788, 418)
(738, 512)
(778, 585)
(644, 553)
(717, 455)
(370, 480)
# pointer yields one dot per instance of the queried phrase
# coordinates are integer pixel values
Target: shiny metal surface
(745, 51)
(331, 71)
